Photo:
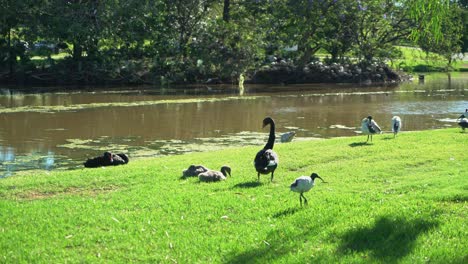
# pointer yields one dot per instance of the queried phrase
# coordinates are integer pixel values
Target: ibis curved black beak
(315, 175)
(320, 178)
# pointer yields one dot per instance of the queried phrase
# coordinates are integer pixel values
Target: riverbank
(394, 200)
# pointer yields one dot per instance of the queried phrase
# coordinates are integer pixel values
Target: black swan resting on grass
(108, 159)
(212, 176)
(266, 160)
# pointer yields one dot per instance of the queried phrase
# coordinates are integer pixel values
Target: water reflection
(149, 122)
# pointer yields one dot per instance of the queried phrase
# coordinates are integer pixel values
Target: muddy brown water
(60, 130)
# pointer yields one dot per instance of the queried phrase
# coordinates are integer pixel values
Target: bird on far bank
(396, 125)
(287, 137)
(304, 184)
(369, 127)
(266, 161)
(463, 120)
(213, 176)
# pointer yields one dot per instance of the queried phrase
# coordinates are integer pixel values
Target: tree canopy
(192, 40)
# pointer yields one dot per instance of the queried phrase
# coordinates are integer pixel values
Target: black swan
(212, 176)
(266, 160)
(194, 170)
(107, 159)
(370, 127)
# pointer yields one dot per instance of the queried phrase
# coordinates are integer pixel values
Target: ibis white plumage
(463, 120)
(287, 137)
(304, 184)
(396, 125)
(369, 127)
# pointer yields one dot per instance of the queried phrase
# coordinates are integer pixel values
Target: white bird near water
(304, 184)
(396, 125)
(370, 127)
(212, 176)
(287, 137)
(463, 120)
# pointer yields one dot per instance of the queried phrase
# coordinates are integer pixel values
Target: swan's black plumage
(266, 159)
(108, 159)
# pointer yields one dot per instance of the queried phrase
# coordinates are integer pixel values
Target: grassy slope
(396, 200)
(416, 59)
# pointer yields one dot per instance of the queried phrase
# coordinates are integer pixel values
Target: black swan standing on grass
(266, 160)
(108, 159)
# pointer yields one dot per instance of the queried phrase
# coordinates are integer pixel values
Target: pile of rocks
(319, 72)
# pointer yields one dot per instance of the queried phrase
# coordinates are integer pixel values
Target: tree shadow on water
(388, 240)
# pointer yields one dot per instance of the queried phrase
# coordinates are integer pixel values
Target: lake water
(60, 130)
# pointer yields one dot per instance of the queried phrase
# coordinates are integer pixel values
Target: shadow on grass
(276, 245)
(251, 184)
(388, 240)
(286, 212)
(359, 144)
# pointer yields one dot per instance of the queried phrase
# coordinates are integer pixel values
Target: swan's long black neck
(271, 138)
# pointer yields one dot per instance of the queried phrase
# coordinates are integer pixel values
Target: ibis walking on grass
(304, 184)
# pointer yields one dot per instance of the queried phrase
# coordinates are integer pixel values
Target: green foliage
(450, 44)
(193, 40)
(397, 200)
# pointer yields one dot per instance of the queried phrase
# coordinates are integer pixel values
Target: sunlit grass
(416, 59)
(397, 200)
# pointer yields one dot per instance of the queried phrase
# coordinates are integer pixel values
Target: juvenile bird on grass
(212, 176)
(194, 170)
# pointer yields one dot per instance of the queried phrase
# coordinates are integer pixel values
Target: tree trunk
(226, 10)
(10, 54)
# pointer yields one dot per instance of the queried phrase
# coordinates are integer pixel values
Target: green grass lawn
(415, 59)
(400, 200)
